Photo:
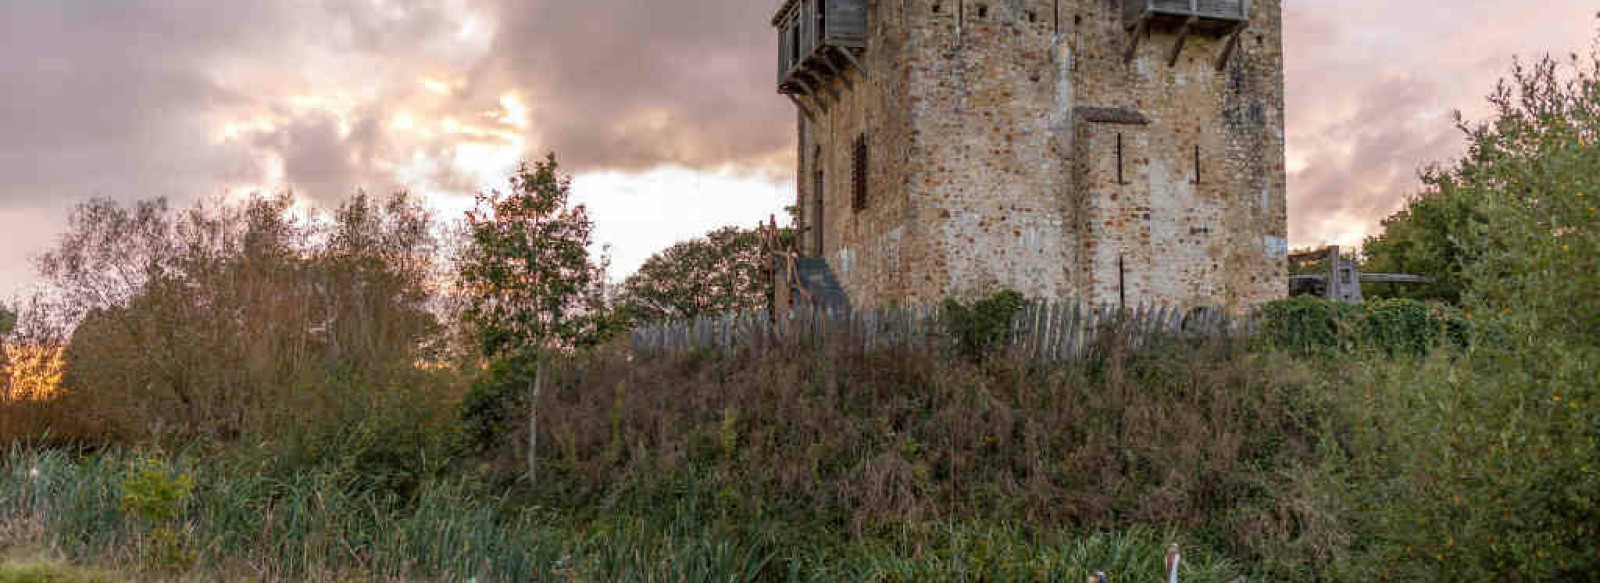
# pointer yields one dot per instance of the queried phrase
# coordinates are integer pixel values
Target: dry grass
(1199, 435)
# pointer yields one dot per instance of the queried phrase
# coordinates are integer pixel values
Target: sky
(664, 110)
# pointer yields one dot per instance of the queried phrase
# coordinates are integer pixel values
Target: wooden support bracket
(823, 85)
(1231, 47)
(833, 70)
(804, 109)
(810, 90)
(854, 62)
(1134, 40)
(1183, 38)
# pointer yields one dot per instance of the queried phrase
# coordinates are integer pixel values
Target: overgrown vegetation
(715, 274)
(1313, 327)
(252, 393)
(979, 326)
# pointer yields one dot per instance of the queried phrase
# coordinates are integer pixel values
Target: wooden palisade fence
(1045, 331)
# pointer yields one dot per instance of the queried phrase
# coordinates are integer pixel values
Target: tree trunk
(533, 422)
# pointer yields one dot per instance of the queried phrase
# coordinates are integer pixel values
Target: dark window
(822, 19)
(817, 212)
(983, 11)
(1120, 179)
(937, 7)
(1197, 164)
(858, 174)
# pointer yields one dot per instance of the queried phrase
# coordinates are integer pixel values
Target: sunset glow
(444, 97)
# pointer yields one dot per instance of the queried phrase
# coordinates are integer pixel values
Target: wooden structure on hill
(1342, 278)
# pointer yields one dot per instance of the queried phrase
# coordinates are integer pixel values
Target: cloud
(632, 85)
(1372, 86)
(191, 98)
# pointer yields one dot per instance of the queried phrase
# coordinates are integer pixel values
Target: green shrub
(497, 402)
(979, 328)
(1470, 466)
(157, 496)
(50, 572)
(1308, 325)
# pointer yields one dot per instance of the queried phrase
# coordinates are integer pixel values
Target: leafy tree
(718, 273)
(1427, 238)
(236, 321)
(526, 271)
(8, 320)
(1496, 448)
(531, 289)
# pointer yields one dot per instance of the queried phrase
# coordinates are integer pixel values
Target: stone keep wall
(994, 130)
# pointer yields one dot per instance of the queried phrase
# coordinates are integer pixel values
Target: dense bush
(1310, 326)
(979, 327)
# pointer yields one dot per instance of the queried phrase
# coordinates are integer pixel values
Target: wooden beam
(1229, 48)
(826, 61)
(854, 63)
(1133, 41)
(1394, 278)
(822, 84)
(1183, 38)
(803, 109)
(809, 90)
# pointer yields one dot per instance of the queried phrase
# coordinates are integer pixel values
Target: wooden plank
(1183, 38)
(1135, 39)
(1229, 48)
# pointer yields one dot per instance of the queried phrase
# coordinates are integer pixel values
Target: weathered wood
(1229, 47)
(1048, 331)
(1183, 38)
(1137, 36)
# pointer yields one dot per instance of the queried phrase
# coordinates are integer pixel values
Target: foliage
(246, 318)
(718, 273)
(530, 282)
(50, 572)
(1199, 436)
(8, 320)
(1429, 237)
(1481, 463)
(156, 496)
(979, 328)
(1310, 326)
(1535, 168)
(496, 403)
(247, 525)
(1468, 467)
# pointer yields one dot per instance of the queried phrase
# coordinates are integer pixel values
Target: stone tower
(1111, 151)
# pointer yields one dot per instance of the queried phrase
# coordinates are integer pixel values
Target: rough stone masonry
(1109, 151)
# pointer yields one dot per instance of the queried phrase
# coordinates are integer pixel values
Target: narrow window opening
(1197, 164)
(983, 11)
(1033, 16)
(817, 202)
(937, 8)
(858, 174)
(1122, 283)
(822, 19)
(1120, 177)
